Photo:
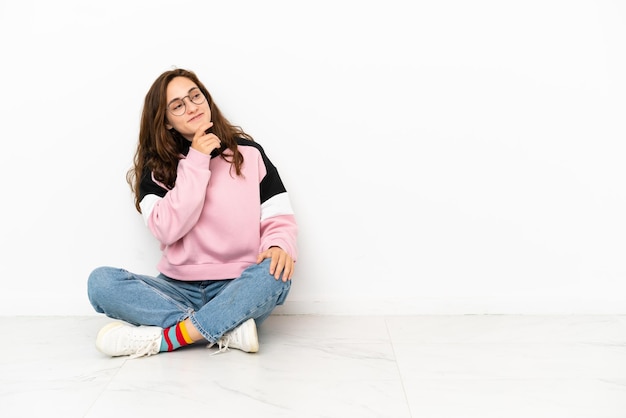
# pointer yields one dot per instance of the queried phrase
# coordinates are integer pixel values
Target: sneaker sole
(103, 331)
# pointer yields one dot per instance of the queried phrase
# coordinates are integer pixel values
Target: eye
(176, 106)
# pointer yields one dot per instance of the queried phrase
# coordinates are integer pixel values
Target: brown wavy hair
(159, 149)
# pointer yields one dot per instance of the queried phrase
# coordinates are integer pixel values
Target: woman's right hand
(205, 142)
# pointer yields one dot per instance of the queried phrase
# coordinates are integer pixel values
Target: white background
(441, 156)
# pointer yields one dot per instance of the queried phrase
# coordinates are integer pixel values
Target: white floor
(325, 366)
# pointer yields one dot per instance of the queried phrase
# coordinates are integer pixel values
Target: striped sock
(175, 337)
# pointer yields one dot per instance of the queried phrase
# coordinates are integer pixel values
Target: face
(194, 116)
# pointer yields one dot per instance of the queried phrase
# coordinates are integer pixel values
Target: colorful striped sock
(175, 337)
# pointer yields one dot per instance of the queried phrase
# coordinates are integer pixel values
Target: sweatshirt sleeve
(278, 222)
(171, 214)
(280, 231)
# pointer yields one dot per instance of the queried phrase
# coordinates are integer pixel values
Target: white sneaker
(243, 338)
(120, 339)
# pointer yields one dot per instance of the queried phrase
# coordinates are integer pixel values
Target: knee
(277, 289)
(285, 291)
(263, 270)
(276, 286)
(100, 281)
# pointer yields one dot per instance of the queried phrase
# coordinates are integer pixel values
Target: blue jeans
(214, 306)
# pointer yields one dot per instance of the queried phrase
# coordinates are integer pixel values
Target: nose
(190, 106)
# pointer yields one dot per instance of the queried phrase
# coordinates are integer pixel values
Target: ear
(168, 126)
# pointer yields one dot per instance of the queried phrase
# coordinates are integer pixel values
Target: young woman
(216, 203)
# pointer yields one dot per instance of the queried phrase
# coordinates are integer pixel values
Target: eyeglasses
(177, 106)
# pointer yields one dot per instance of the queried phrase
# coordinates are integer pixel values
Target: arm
(171, 214)
(278, 242)
(278, 224)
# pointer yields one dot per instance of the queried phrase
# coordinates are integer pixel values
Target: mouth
(195, 118)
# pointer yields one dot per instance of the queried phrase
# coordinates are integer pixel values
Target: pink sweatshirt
(212, 224)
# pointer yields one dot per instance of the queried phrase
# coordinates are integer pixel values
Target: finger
(288, 267)
(273, 262)
(280, 267)
(199, 134)
(262, 256)
(204, 129)
(288, 271)
(292, 268)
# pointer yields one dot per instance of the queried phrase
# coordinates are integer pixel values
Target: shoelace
(152, 347)
(222, 345)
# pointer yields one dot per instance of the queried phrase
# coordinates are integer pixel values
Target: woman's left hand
(281, 262)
